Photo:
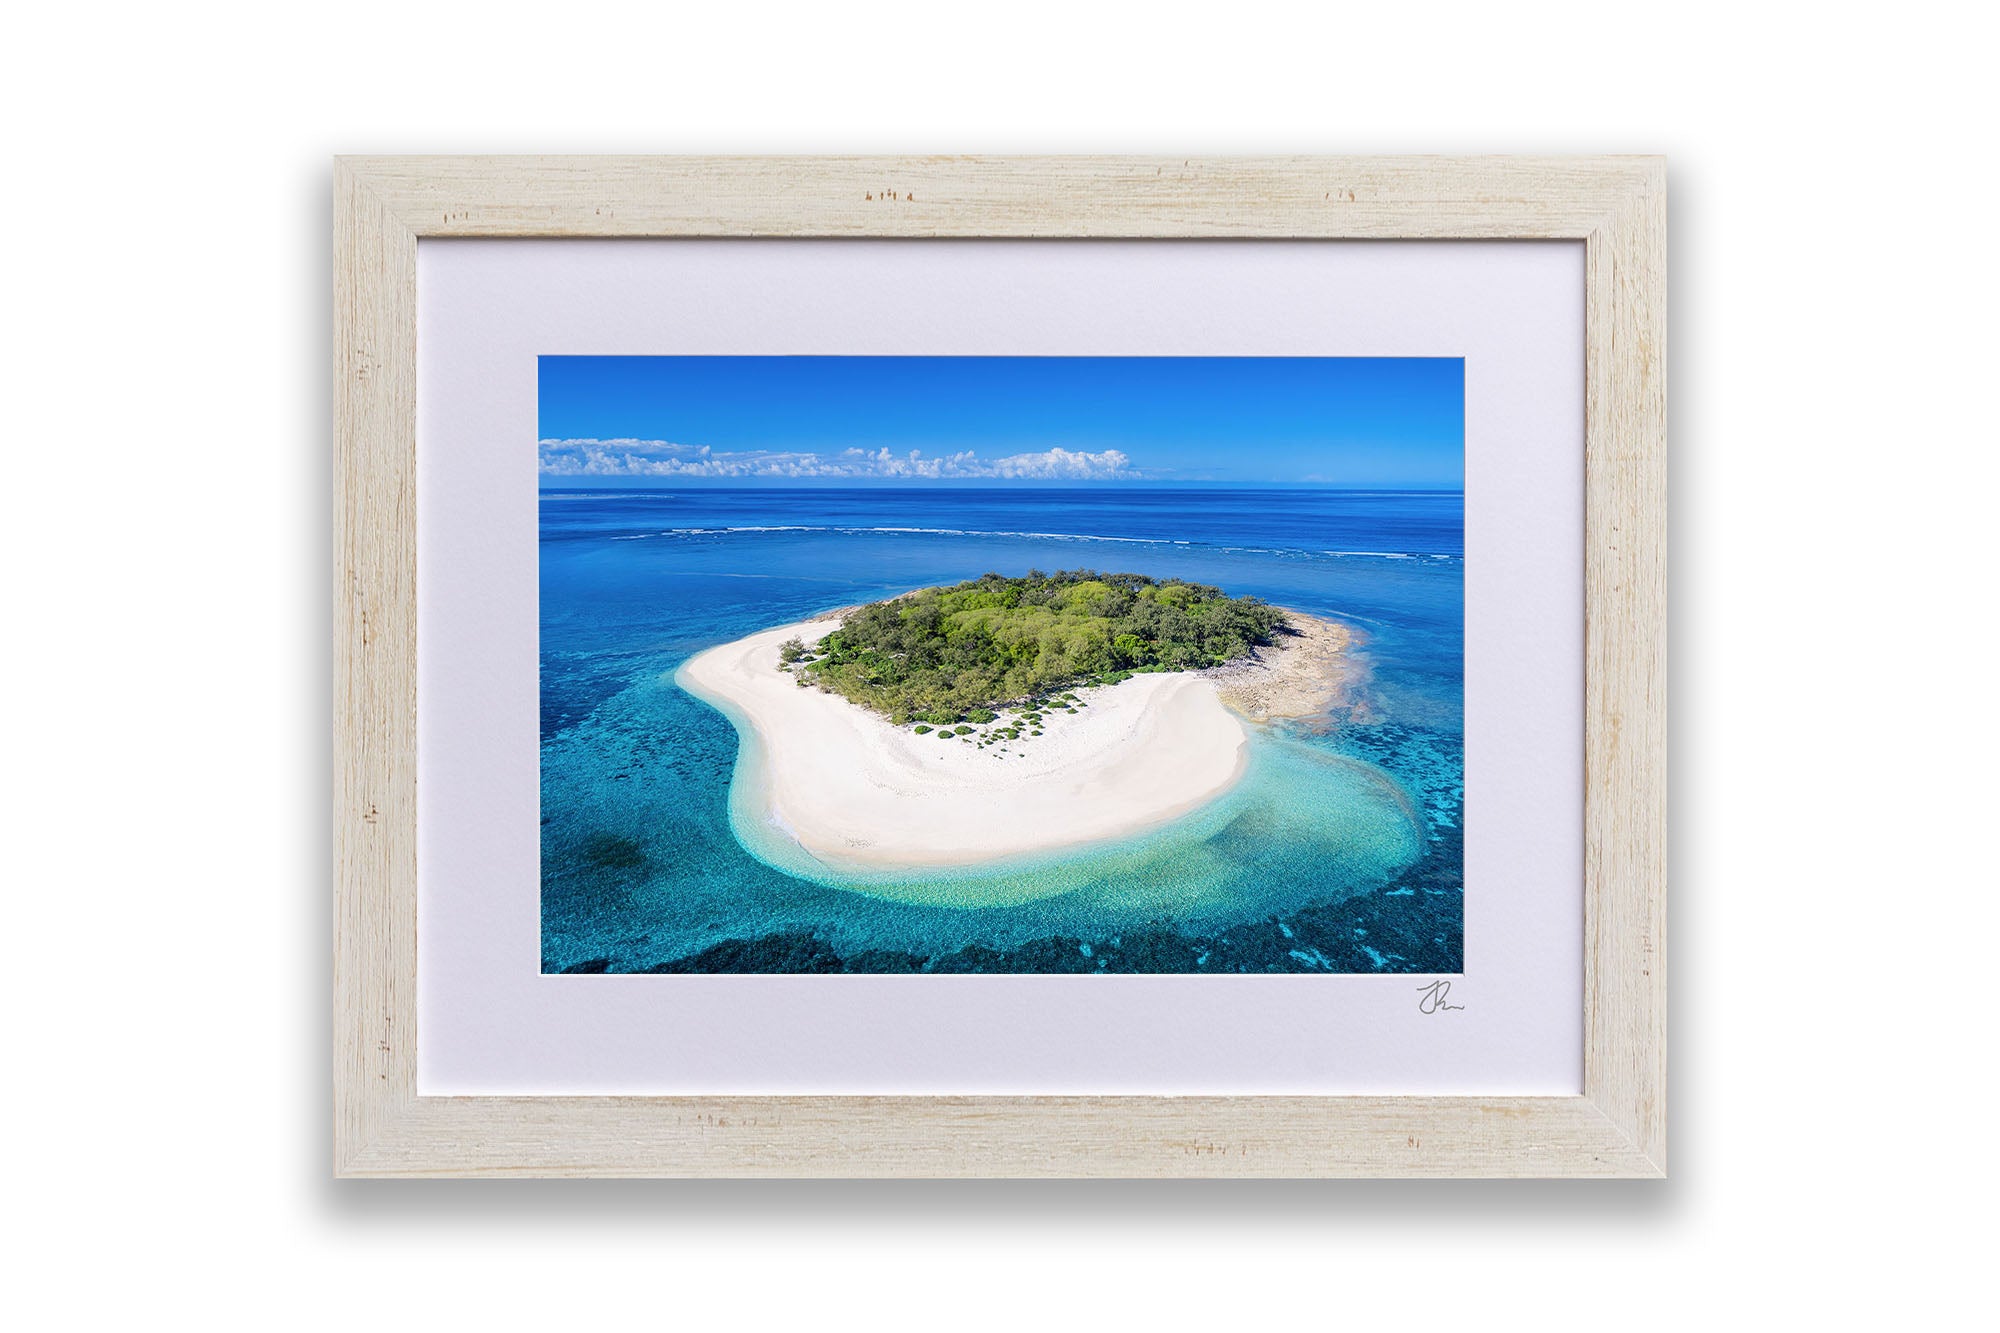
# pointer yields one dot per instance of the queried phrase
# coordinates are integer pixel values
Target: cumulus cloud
(662, 459)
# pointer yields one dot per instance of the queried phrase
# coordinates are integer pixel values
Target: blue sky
(1388, 423)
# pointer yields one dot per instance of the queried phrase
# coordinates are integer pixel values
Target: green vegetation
(946, 656)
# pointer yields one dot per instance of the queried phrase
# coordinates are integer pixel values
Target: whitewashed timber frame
(1615, 205)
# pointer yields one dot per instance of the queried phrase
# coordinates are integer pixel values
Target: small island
(948, 657)
(955, 725)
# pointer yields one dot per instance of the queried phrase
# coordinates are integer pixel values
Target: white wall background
(166, 560)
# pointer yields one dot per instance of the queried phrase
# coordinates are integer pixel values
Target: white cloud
(660, 458)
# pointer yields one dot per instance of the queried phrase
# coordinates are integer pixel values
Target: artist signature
(1435, 998)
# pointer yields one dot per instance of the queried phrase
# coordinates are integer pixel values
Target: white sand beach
(853, 788)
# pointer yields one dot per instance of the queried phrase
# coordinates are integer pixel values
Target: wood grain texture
(1617, 206)
(1001, 1136)
(1625, 620)
(1351, 197)
(375, 665)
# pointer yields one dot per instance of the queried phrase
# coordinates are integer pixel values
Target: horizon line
(992, 484)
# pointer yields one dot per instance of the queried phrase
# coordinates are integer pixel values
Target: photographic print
(944, 665)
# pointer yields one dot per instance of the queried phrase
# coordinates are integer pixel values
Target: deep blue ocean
(1340, 851)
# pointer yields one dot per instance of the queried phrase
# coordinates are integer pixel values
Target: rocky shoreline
(1308, 671)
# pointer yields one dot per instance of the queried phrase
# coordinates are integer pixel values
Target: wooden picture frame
(383, 206)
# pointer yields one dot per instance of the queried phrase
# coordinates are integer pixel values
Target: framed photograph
(1000, 667)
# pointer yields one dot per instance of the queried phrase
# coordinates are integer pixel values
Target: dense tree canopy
(944, 654)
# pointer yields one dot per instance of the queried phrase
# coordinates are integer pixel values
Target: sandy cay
(853, 788)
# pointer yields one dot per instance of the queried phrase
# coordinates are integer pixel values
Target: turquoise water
(1338, 851)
